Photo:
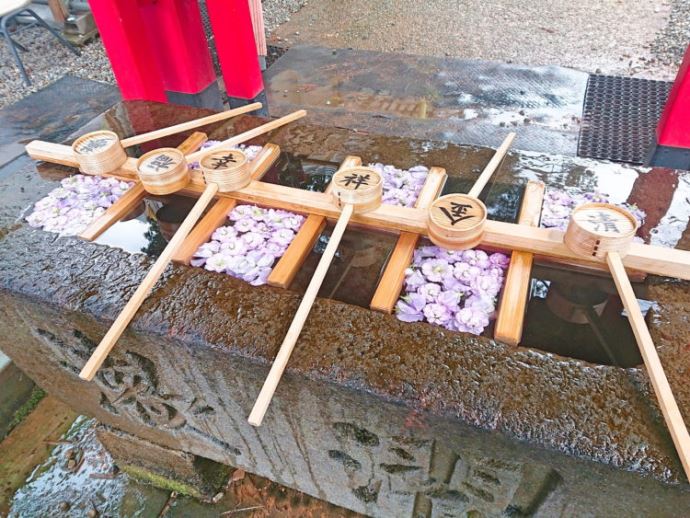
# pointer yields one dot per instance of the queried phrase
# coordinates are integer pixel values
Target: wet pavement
(79, 479)
(621, 38)
(52, 113)
(443, 99)
(358, 354)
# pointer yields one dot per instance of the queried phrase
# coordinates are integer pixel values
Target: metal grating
(619, 118)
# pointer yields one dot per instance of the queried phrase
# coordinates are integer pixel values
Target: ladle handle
(261, 405)
(492, 166)
(669, 407)
(247, 135)
(122, 321)
(184, 126)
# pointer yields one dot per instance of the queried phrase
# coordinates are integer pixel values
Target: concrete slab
(52, 113)
(443, 99)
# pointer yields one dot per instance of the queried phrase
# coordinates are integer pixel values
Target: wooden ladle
(102, 151)
(604, 232)
(165, 171)
(356, 189)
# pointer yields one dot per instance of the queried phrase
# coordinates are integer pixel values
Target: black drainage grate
(619, 119)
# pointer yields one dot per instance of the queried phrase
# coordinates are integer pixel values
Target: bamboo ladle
(604, 232)
(456, 221)
(355, 189)
(165, 171)
(102, 151)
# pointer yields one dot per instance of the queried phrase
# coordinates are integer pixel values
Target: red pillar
(673, 131)
(158, 50)
(234, 38)
(129, 48)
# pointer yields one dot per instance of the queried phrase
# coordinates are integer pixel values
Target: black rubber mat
(620, 116)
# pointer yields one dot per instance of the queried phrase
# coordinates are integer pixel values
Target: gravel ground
(277, 12)
(46, 62)
(614, 37)
(669, 45)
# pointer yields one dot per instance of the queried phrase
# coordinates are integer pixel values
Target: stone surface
(378, 416)
(189, 474)
(52, 113)
(446, 99)
(15, 389)
(619, 38)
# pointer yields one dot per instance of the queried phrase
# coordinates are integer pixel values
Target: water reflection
(150, 226)
(580, 316)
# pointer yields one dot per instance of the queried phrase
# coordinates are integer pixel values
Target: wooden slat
(250, 134)
(287, 266)
(511, 311)
(134, 196)
(547, 243)
(655, 370)
(100, 353)
(118, 210)
(269, 387)
(391, 282)
(217, 215)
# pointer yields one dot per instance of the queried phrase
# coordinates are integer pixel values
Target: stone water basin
(379, 416)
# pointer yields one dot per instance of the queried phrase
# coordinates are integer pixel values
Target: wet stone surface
(376, 415)
(446, 99)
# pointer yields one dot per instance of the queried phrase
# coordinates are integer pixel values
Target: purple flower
(430, 291)
(481, 303)
(217, 263)
(436, 269)
(208, 249)
(471, 320)
(224, 234)
(275, 249)
(501, 260)
(283, 236)
(253, 240)
(436, 314)
(413, 279)
(409, 308)
(244, 225)
(261, 277)
(234, 247)
(450, 299)
(79, 200)
(486, 284)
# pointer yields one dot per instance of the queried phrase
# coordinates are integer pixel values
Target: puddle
(76, 478)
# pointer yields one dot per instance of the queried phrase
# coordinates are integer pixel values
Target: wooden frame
(135, 195)
(218, 214)
(511, 310)
(391, 283)
(543, 243)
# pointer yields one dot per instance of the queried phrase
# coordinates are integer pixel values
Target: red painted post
(672, 147)
(674, 125)
(180, 46)
(234, 36)
(129, 47)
